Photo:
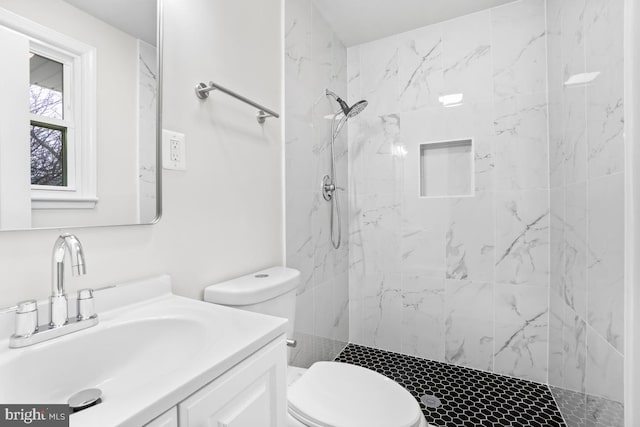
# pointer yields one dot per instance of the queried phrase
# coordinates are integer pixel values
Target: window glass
(46, 87)
(48, 155)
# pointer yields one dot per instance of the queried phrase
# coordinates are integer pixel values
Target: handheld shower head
(357, 108)
(348, 112)
(329, 182)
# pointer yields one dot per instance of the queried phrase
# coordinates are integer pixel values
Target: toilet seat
(333, 394)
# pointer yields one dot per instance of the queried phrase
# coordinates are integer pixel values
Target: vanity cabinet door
(252, 394)
(168, 419)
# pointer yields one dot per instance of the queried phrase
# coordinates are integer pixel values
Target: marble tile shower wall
(587, 200)
(458, 279)
(315, 59)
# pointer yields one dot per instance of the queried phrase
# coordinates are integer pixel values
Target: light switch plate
(174, 153)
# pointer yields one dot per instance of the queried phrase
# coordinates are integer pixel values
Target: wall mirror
(80, 113)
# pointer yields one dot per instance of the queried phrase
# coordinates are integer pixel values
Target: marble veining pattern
(605, 269)
(604, 44)
(521, 331)
(147, 119)
(575, 248)
(315, 59)
(581, 409)
(574, 340)
(420, 72)
(605, 368)
(448, 278)
(467, 280)
(467, 56)
(522, 254)
(423, 308)
(470, 239)
(469, 334)
(519, 56)
(521, 147)
(586, 350)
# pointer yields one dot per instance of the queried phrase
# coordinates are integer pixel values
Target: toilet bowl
(328, 394)
(333, 394)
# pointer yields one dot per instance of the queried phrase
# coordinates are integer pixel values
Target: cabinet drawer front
(252, 394)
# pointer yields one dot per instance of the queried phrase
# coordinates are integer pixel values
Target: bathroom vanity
(245, 396)
(159, 360)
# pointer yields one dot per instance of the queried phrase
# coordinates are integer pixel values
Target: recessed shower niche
(446, 168)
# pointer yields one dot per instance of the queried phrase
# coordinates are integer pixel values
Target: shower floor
(468, 397)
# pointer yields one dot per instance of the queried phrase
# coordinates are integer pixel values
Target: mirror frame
(159, 167)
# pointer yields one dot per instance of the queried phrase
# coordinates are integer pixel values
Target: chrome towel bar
(202, 92)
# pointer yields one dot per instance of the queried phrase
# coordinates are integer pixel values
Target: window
(48, 133)
(62, 116)
(48, 154)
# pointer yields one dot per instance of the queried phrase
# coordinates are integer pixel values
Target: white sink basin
(145, 356)
(107, 357)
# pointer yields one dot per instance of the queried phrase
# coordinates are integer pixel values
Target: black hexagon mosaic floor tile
(468, 397)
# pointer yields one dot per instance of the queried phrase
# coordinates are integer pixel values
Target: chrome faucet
(28, 331)
(58, 300)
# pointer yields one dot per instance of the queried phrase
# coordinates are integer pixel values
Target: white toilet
(328, 394)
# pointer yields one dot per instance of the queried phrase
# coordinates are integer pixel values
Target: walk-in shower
(481, 195)
(329, 182)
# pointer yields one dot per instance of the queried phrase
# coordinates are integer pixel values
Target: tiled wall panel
(587, 209)
(459, 279)
(315, 59)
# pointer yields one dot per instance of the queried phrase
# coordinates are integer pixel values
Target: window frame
(70, 100)
(65, 152)
(79, 103)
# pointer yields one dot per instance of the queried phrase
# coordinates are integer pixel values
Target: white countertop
(148, 354)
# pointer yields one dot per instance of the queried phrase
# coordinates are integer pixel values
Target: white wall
(223, 216)
(15, 203)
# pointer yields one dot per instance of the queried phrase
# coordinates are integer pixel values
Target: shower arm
(328, 92)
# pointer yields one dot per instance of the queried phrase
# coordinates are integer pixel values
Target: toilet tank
(271, 291)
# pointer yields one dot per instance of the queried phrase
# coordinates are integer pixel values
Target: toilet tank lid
(253, 288)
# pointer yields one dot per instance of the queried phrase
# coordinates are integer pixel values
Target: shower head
(349, 112)
(357, 108)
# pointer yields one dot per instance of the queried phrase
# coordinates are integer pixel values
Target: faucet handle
(86, 307)
(26, 318)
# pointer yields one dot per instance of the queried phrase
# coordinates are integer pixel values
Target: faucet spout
(65, 243)
(70, 243)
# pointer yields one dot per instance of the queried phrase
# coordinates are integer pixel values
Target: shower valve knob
(328, 188)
